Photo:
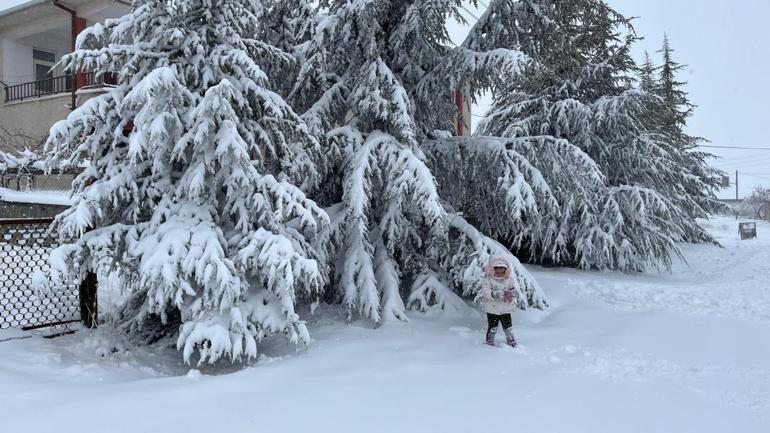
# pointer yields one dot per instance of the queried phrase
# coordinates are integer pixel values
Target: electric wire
(469, 12)
(754, 176)
(711, 146)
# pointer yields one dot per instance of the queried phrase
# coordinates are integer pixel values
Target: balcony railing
(54, 85)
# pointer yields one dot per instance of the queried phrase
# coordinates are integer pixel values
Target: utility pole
(736, 194)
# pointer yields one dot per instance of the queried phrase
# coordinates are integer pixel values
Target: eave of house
(34, 10)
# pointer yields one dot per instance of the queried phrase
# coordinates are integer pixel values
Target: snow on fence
(24, 248)
(29, 192)
(37, 180)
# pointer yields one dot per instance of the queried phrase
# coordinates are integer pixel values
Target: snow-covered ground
(682, 352)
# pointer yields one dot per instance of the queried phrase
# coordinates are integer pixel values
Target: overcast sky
(726, 45)
(5, 4)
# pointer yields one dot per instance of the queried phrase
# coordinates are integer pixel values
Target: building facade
(34, 35)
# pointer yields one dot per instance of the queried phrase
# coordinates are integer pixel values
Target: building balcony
(56, 85)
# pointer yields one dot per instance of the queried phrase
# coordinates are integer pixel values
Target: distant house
(33, 37)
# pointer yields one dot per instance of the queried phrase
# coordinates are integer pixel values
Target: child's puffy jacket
(492, 293)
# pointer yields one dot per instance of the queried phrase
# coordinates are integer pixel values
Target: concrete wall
(34, 117)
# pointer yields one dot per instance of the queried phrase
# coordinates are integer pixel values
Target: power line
(751, 167)
(748, 156)
(734, 147)
(747, 167)
(753, 160)
(469, 12)
(756, 159)
(755, 176)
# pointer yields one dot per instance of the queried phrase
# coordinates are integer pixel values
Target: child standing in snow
(496, 297)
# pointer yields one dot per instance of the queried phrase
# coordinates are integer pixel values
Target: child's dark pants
(494, 319)
(505, 319)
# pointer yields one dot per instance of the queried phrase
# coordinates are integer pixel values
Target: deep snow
(681, 352)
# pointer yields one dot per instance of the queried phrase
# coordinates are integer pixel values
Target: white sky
(5, 4)
(725, 44)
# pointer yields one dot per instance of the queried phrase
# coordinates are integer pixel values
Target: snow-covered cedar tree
(285, 24)
(190, 192)
(371, 87)
(647, 80)
(573, 112)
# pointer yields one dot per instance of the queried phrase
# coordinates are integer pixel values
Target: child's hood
(489, 269)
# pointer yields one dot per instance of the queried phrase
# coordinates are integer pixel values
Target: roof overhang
(19, 16)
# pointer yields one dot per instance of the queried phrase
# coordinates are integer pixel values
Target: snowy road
(682, 352)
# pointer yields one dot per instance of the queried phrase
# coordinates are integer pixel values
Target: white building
(33, 37)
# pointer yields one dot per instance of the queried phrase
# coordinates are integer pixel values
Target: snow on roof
(58, 198)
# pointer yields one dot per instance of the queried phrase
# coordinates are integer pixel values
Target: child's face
(500, 272)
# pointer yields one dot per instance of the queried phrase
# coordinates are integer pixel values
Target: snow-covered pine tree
(285, 24)
(669, 88)
(362, 89)
(189, 193)
(615, 192)
(647, 77)
(671, 115)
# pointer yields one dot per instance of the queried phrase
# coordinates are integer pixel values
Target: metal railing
(24, 248)
(55, 85)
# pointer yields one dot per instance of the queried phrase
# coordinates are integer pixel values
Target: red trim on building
(78, 25)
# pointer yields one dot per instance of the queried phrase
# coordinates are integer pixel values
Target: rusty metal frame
(48, 325)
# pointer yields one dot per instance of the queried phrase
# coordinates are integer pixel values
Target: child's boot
(509, 338)
(491, 337)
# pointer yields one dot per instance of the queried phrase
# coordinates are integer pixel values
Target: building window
(43, 61)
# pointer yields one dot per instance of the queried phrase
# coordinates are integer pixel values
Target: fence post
(88, 310)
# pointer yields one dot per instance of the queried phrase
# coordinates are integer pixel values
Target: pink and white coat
(493, 288)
